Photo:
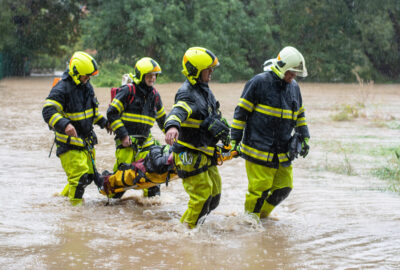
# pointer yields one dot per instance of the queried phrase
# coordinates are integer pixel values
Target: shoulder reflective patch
(184, 106)
(117, 105)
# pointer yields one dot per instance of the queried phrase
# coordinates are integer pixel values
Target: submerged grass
(390, 172)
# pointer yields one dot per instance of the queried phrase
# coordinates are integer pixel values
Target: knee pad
(278, 196)
(214, 202)
(260, 201)
(84, 181)
(205, 210)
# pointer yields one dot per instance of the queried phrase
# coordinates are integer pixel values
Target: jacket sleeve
(99, 119)
(115, 110)
(53, 108)
(301, 123)
(160, 112)
(182, 109)
(243, 110)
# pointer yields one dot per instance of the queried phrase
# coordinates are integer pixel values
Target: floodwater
(331, 220)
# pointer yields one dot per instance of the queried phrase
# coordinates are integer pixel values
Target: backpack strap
(156, 96)
(132, 92)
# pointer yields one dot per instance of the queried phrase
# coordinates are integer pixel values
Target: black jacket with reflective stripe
(268, 111)
(75, 104)
(193, 104)
(136, 117)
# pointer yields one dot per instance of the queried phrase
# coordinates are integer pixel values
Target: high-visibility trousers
(267, 187)
(202, 182)
(77, 164)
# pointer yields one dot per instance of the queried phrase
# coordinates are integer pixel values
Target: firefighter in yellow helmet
(193, 127)
(71, 110)
(270, 130)
(132, 114)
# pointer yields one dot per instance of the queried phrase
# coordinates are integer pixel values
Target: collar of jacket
(278, 81)
(203, 86)
(144, 88)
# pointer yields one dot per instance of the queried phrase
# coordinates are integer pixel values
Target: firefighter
(193, 128)
(132, 114)
(71, 110)
(270, 129)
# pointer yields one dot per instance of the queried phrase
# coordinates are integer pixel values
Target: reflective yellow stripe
(245, 104)
(160, 113)
(74, 140)
(117, 105)
(269, 110)
(184, 106)
(282, 157)
(138, 118)
(238, 124)
(50, 102)
(116, 124)
(206, 150)
(98, 118)
(148, 143)
(191, 123)
(301, 110)
(257, 154)
(301, 122)
(262, 155)
(54, 119)
(173, 118)
(80, 115)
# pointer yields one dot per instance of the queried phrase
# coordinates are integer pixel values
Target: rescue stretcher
(157, 168)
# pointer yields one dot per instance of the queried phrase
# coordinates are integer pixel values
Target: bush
(110, 74)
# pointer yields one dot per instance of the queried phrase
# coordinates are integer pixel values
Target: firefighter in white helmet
(269, 129)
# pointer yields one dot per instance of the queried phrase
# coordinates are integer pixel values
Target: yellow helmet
(144, 66)
(289, 58)
(82, 64)
(195, 60)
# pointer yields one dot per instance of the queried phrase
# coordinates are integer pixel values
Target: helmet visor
(300, 70)
(96, 71)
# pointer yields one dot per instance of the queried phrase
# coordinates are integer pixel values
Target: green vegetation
(390, 172)
(347, 112)
(365, 37)
(342, 167)
(111, 74)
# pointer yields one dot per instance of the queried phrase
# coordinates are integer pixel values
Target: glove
(294, 146)
(235, 147)
(217, 128)
(305, 148)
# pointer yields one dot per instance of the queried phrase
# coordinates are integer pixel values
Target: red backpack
(132, 92)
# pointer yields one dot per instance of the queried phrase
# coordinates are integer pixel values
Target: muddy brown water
(331, 220)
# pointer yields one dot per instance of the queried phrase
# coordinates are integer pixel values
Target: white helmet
(268, 64)
(289, 58)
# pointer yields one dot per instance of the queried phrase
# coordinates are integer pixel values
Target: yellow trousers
(267, 187)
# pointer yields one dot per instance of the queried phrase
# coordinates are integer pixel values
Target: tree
(34, 27)
(378, 25)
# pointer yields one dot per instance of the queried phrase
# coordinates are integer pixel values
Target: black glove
(305, 148)
(217, 128)
(294, 146)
